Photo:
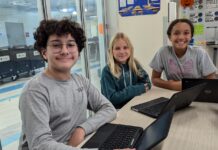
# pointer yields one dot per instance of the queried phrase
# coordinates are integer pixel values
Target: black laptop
(178, 101)
(117, 136)
(210, 92)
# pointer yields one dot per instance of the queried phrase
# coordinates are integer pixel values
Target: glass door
(90, 14)
(18, 21)
(70, 9)
(94, 25)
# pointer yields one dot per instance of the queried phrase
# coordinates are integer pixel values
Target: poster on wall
(138, 7)
(204, 16)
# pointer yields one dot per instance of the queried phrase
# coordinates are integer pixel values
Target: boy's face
(61, 53)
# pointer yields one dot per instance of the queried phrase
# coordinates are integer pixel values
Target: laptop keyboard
(121, 137)
(153, 103)
(155, 108)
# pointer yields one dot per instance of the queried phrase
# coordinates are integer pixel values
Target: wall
(145, 32)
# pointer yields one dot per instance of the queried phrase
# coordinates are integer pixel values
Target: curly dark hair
(183, 20)
(62, 27)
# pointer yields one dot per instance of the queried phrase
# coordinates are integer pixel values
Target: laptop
(118, 136)
(210, 92)
(178, 101)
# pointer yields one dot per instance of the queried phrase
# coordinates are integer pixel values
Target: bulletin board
(204, 16)
(138, 7)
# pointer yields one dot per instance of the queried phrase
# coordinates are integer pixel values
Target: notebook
(210, 92)
(117, 136)
(178, 101)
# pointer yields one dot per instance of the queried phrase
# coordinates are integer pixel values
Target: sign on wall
(204, 16)
(138, 7)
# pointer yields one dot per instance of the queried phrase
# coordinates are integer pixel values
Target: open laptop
(210, 92)
(178, 101)
(117, 136)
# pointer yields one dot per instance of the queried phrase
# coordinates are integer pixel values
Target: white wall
(145, 31)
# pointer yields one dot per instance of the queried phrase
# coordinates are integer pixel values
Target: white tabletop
(193, 128)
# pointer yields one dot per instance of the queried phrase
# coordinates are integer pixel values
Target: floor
(10, 125)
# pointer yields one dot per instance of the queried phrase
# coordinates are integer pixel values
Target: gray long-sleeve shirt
(51, 110)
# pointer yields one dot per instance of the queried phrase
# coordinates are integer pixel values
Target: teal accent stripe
(10, 139)
(11, 88)
(20, 85)
(15, 137)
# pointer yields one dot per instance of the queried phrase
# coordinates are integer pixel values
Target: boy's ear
(44, 54)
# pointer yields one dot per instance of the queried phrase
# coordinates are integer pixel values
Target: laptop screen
(108, 137)
(178, 101)
(156, 132)
(184, 98)
(209, 94)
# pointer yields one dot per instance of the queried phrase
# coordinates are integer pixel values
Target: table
(192, 128)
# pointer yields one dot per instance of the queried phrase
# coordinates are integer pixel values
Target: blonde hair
(132, 62)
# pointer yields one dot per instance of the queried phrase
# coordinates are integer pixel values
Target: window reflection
(18, 61)
(96, 47)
